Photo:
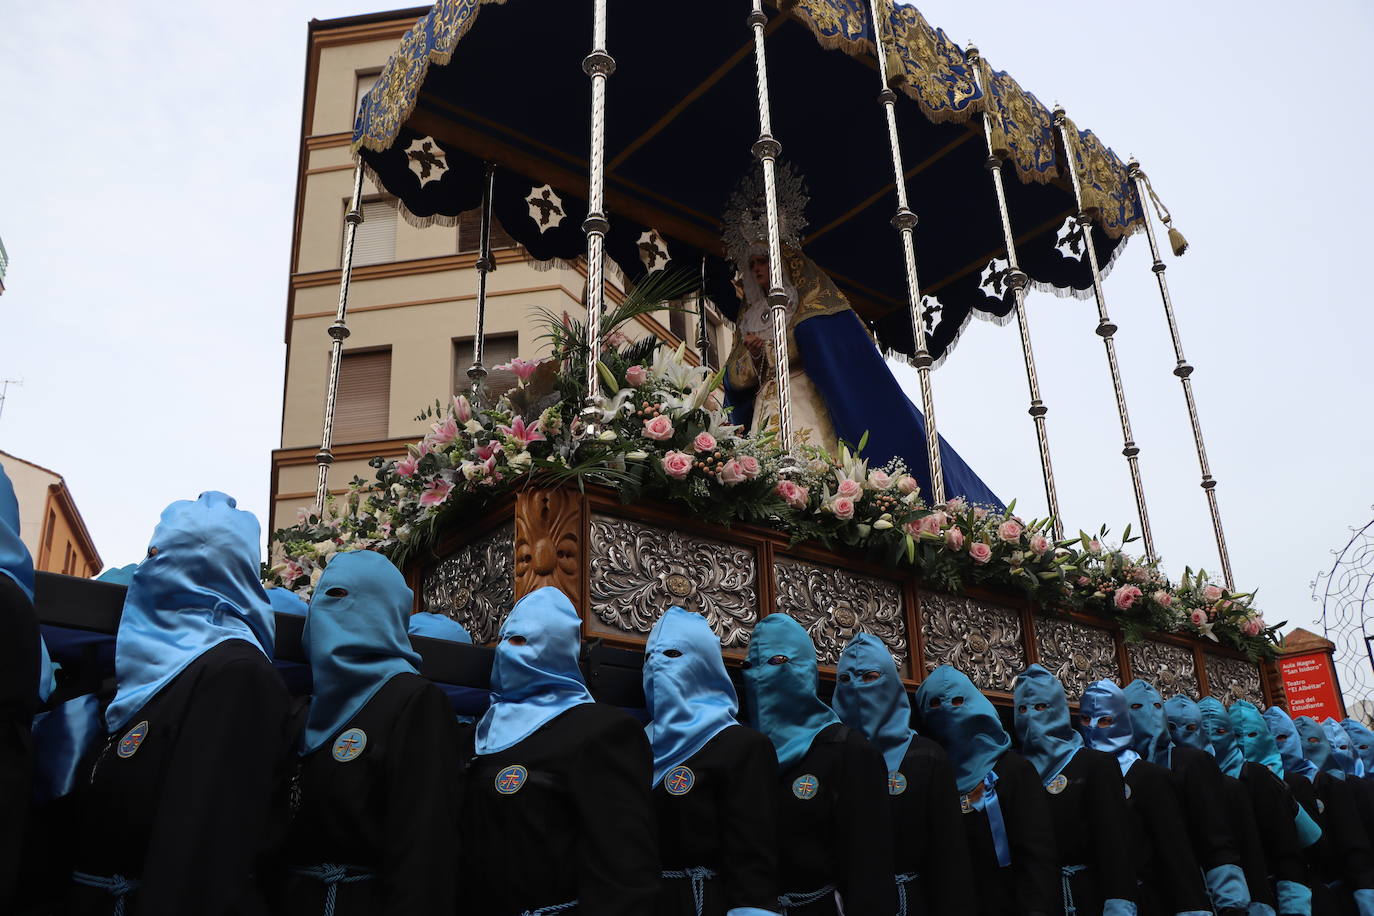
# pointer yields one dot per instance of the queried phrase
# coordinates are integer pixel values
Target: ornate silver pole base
(1016, 279)
(1106, 329)
(338, 332)
(598, 65)
(905, 223)
(1183, 371)
(477, 372)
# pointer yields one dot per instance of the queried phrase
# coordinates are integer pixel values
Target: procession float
(789, 162)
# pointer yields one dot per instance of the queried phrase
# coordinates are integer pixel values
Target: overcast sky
(148, 167)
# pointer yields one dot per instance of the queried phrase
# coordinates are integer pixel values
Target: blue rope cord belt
(902, 881)
(331, 876)
(1066, 872)
(117, 886)
(550, 910)
(787, 901)
(698, 874)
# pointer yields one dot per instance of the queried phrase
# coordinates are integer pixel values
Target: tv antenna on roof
(4, 390)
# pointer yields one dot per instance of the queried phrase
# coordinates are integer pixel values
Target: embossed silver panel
(1169, 668)
(475, 585)
(834, 604)
(1076, 654)
(982, 640)
(638, 571)
(1231, 679)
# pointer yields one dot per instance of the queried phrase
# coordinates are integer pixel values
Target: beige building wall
(417, 304)
(49, 524)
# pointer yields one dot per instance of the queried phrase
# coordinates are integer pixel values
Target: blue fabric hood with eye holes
(1104, 699)
(533, 682)
(1252, 732)
(15, 560)
(199, 589)
(782, 696)
(438, 626)
(689, 696)
(355, 638)
(1043, 726)
(878, 708)
(1145, 707)
(1361, 743)
(1286, 736)
(1342, 755)
(285, 601)
(1185, 723)
(1315, 746)
(954, 713)
(1220, 732)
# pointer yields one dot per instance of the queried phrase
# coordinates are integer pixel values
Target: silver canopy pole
(338, 331)
(477, 372)
(1106, 329)
(905, 223)
(1182, 369)
(598, 65)
(703, 333)
(1016, 279)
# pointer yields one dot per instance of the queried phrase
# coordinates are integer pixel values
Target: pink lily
(521, 434)
(436, 491)
(523, 368)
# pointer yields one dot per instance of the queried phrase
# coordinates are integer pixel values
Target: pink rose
(907, 484)
(1163, 598)
(879, 480)
(954, 539)
(979, 552)
(1212, 593)
(636, 376)
(1252, 626)
(659, 428)
(793, 494)
(731, 473)
(843, 507)
(1198, 617)
(704, 442)
(436, 491)
(956, 505)
(407, 466)
(849, 489)
(1126, 596)
(931, 524)
(1010, 531)
(749, 465)
(1039, 544)
(677, 464)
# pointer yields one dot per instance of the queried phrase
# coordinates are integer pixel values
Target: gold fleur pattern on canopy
(1108, 193)
(934, 70)
(837, 23)
(1022, 127)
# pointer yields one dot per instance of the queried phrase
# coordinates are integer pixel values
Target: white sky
(148, 158)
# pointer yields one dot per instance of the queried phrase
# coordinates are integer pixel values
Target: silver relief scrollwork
(475, 585)
(982, 640)
(638, 571)
(1169, 668)
(1231, 679)
(1076, 654)
(833, 604)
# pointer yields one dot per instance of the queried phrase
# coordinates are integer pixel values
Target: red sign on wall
(1310, 684)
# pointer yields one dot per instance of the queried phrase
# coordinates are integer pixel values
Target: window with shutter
(364, 400)
(365, 82)
(375, 242)
(677, 320)
(498, 351)
(470, 233)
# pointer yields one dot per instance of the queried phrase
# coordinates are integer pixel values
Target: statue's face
(759, 265)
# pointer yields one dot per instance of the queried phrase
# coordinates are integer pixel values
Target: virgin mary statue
(841, 387)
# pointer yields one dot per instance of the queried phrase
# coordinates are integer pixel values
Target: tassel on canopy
(1177, 242)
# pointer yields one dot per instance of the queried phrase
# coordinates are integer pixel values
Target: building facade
(50, 525)
(412, 300)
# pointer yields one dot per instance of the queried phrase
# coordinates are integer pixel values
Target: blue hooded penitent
(1146, 709)
(15, 561)
(1252, 732)
(1106, 722)
(120, 575)
(870, 697)
(954, 713)
(781, 681)
(438, 626)
(689, 696)
(535, 675)
(355, 638)
(197, 588)
(1043, 727)
(1225, 748)
(285, 601)
(1185, 724)
(1315, 746)
(1286, 736)
(1361, 743)
(1342, 756)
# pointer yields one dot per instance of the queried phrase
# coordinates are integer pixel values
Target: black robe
(19, 667)
(1274, 808)
(840, 833)
(392, 810)
(1089, 815)
(1363, 789)
(1029, 886)
(1342, 859)
(579, 827)
(1245, 829)
(726, 821)
(1170, 880)
(1198, 781)
(187, 814)
(928, 836)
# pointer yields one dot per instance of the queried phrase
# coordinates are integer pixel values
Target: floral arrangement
(661, 432)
